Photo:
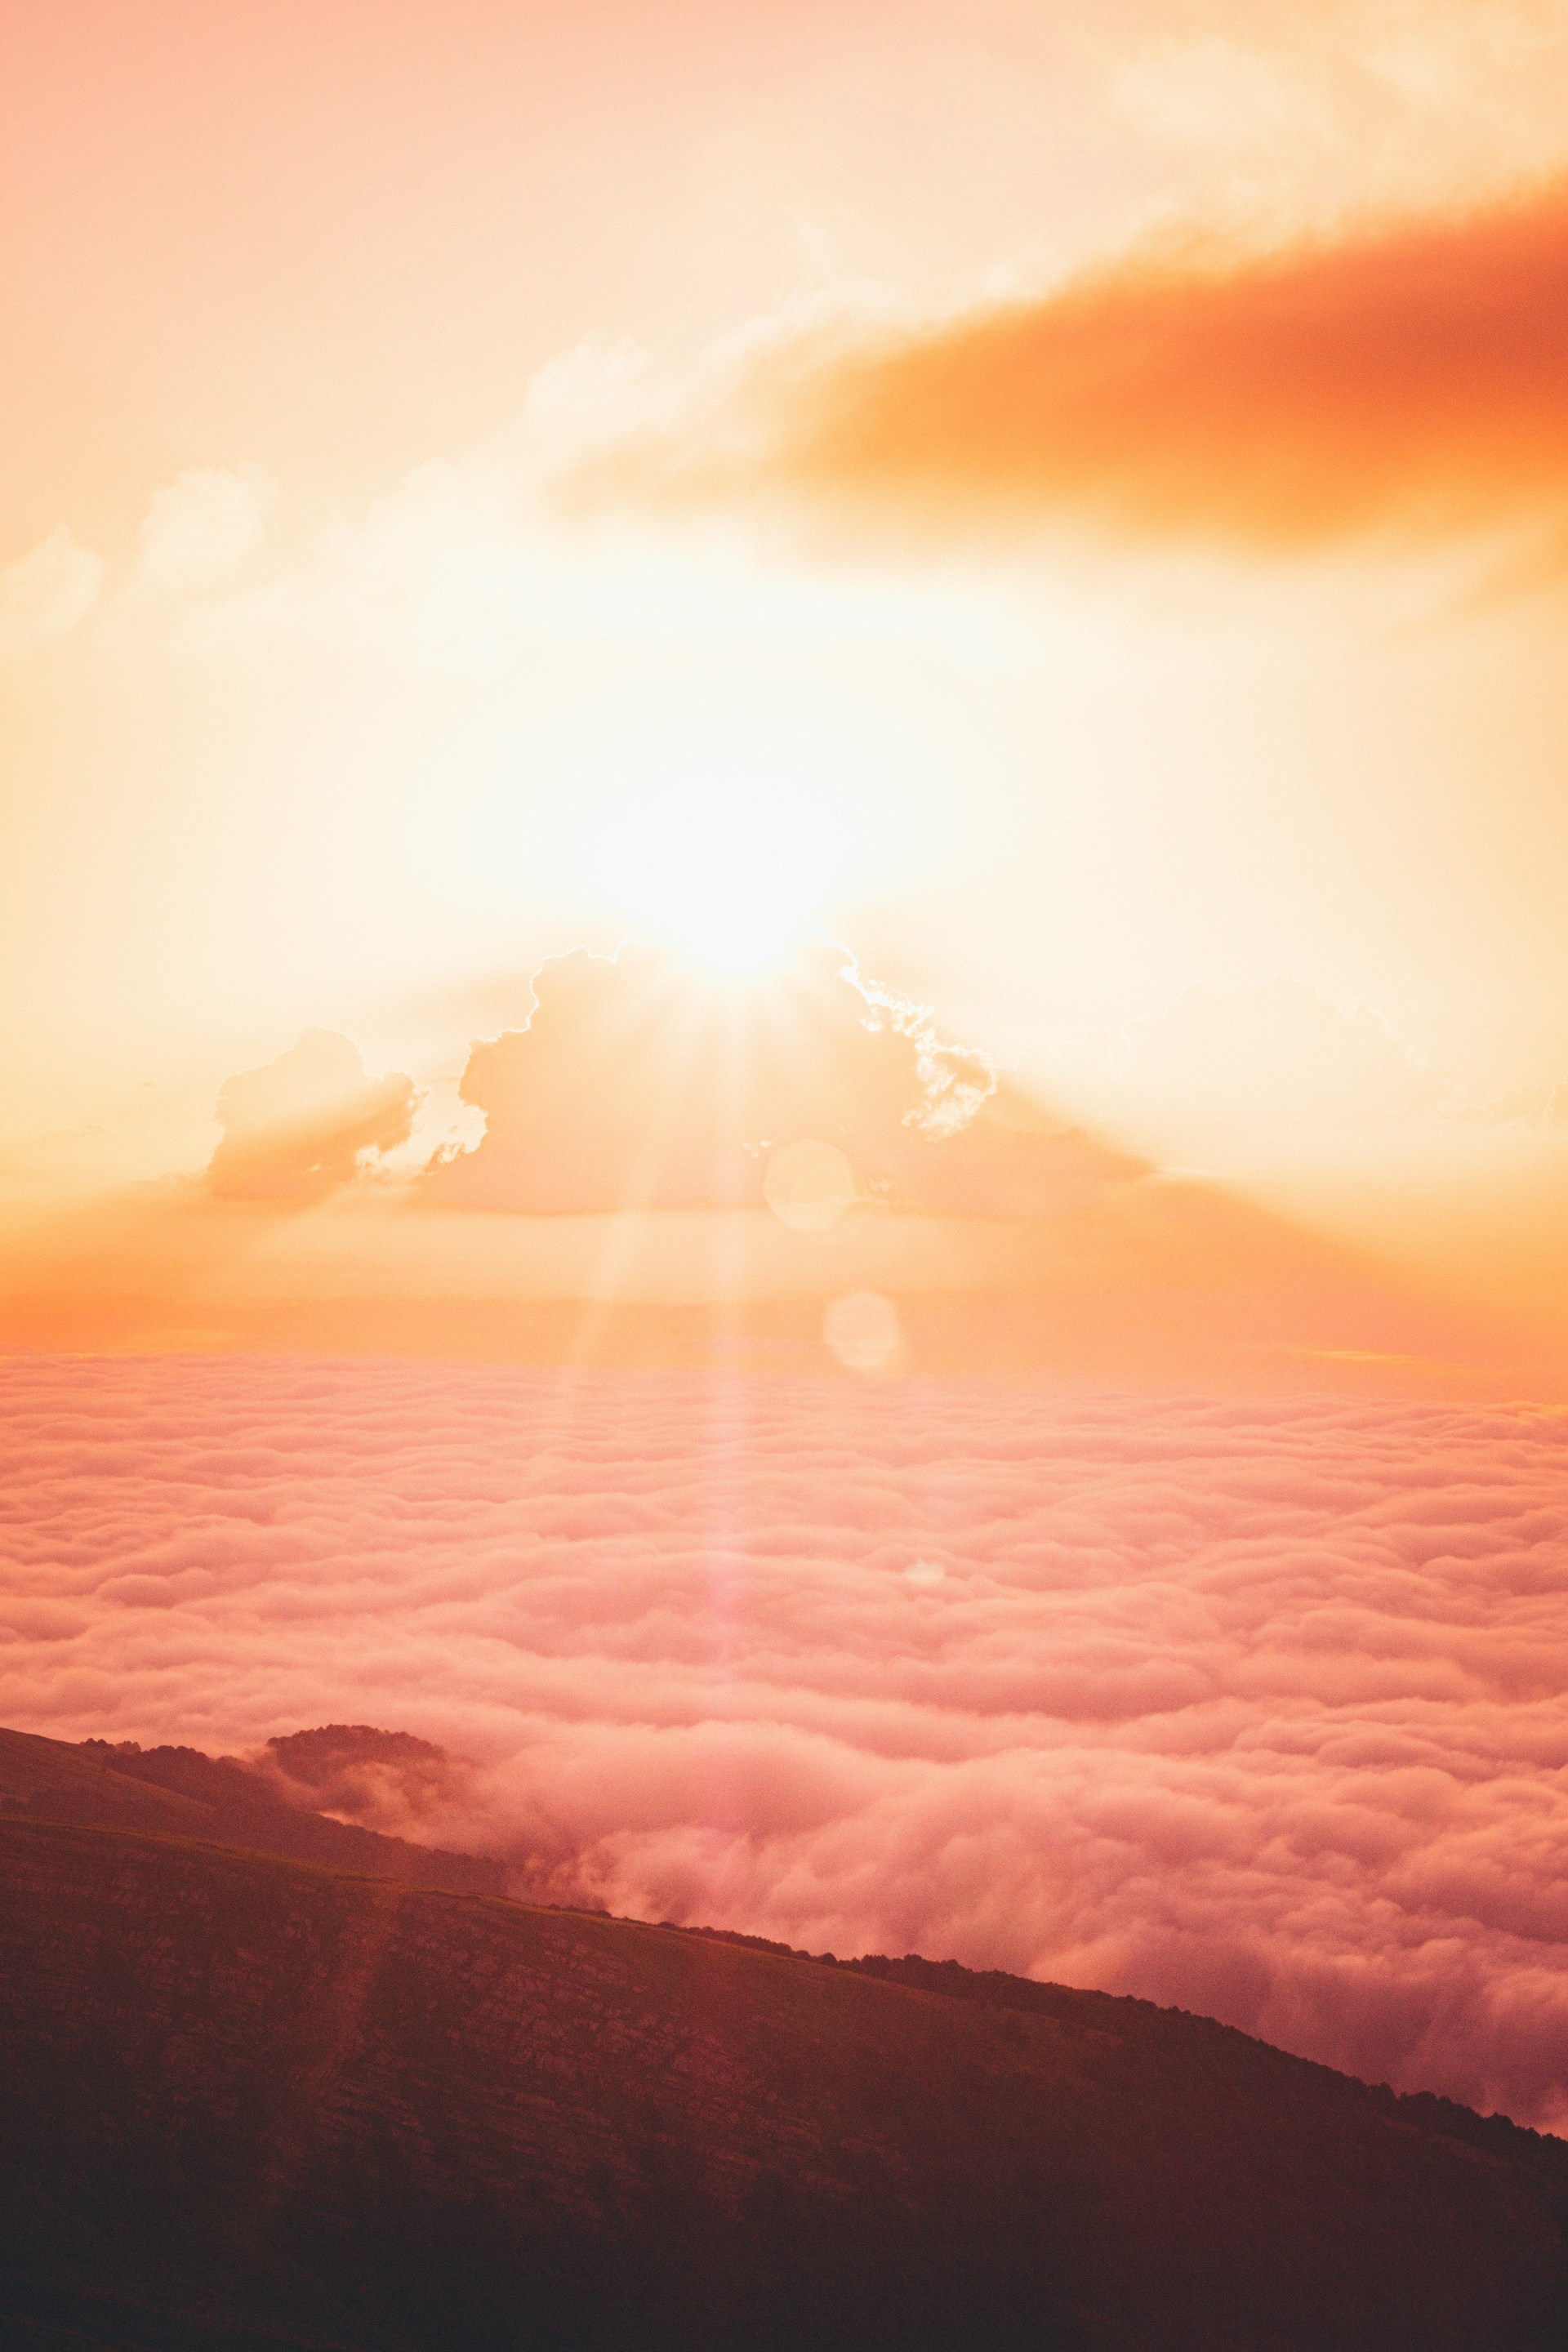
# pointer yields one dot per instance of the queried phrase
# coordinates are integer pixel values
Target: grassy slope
(246, 2101)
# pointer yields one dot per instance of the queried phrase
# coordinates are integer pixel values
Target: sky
(744, 746)
(1066, 504)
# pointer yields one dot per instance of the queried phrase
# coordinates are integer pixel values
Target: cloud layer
(1411, 378)
(1258, 1708)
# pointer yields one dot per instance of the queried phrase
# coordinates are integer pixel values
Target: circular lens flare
(862, 1331)
(808, 1185)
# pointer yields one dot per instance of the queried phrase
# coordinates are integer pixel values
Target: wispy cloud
(1411, 378)
(47, 592)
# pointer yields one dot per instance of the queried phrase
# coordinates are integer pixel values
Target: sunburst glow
(729, 879)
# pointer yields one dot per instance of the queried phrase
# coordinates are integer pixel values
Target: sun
(729, 879)
(734, 925)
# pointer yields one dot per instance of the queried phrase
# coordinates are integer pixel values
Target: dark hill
(244, 2102)
(186, 1793)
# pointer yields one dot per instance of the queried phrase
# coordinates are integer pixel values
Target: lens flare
(808, 1184)
(862, 1331)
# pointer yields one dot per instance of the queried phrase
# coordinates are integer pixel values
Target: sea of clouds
(1260, 1708)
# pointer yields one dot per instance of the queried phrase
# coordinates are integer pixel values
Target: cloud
(1254, 1707)
(304, 1124)
(636, 1084)
(200, 528)
(47, 594)
(354, 1771)
(198, 531)
(1407, 379)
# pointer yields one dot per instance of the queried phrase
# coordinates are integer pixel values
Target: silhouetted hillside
(187, 1794)
(246, 2101)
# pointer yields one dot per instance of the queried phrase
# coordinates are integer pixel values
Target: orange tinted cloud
(304, 1124)
(635, 1083)
(1414, 378)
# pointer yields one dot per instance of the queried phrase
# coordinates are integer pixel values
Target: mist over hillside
(186, 1793)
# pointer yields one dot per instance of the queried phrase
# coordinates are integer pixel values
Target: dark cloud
(1412, 378)
(302, 1126)
(1256, 1707)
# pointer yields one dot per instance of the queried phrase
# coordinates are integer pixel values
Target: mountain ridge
(329, 2109)
(219, 1799)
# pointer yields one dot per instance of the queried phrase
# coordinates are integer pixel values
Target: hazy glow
(730, 873)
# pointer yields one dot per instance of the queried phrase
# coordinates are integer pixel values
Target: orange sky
(1071, 504)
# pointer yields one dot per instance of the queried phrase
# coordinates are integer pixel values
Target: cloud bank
(1409, 379)
(1258, 1708)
